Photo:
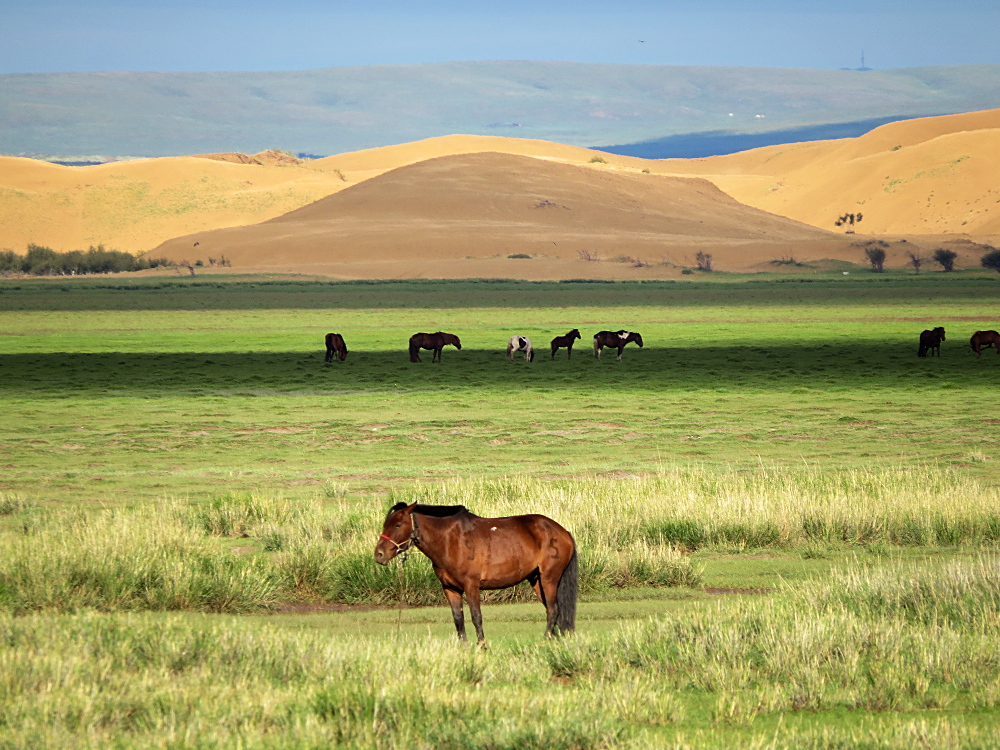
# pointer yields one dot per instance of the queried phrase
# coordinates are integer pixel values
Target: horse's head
(343, 354)
(451, 338)
(575, 334)
(397, 533)
(940, 330)
(636, 338)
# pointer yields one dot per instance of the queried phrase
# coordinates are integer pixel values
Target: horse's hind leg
(329, 354)
(547, 589)
(455, 600)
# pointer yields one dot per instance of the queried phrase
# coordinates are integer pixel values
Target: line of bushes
(44, 261)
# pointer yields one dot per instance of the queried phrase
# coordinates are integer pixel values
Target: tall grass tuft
(630, 532)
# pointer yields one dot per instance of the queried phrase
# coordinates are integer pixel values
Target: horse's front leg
(569, 352)
(472, 597)
(455, 600)
(620, 350)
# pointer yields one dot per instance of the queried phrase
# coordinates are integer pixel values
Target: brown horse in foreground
(436, 341)
(930, 341)
(984, 340)
(470, 554)
(560, 341)
(614, 340)
(335, 345)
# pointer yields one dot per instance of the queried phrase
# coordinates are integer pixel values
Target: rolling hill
(933, 177)
(926, 176)
(489, 206)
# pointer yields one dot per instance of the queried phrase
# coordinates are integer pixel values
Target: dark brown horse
(560, 341)
(436, 341)
(614, 340)
(470, 554)
(930, 341)
(335, 345)
(984, 340)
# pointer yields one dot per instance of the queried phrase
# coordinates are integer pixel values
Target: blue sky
(184, 35)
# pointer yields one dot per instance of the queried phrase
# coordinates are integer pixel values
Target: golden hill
(135, 205)
(926, 176)
(491, 205)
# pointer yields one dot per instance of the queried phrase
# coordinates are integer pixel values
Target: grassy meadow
(788, 522)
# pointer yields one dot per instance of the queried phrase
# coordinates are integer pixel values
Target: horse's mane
(438, 511)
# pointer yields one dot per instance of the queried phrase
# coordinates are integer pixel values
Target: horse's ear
(409, 508)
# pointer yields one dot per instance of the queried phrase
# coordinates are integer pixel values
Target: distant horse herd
(336, 348)
(930, 342)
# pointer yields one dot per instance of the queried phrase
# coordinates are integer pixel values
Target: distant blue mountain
(719, 142)
(334, 110)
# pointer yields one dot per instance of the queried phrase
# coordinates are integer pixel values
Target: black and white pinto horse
(520, 344)
(614, 340)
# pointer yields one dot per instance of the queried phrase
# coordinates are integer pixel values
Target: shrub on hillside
(946, 258)
(44, 261)
(875, 256)
(991, 260)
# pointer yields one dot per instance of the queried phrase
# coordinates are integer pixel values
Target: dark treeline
(43, 261)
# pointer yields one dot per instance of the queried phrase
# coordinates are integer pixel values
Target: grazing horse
(930, 341)
(470, 554)
(560, 341)
(984, 340)
(335, 345)
(435, 341)
(520, 344)
(614, 340)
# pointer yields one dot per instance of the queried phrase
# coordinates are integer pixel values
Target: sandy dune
(135, 205)
(490, 205)
(926, 177)
(931, 175)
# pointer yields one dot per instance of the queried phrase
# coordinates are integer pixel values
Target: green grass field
(177, 464)
(147, 389)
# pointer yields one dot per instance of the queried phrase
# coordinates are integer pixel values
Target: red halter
(402, 547)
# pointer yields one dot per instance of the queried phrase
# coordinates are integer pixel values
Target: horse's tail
(414, 351)
(566, 596)
(922, 351)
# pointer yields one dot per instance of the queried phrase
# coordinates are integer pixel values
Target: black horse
(930, 341)
(335, 345)
(614, 340)
(560, 341)
(436, 341)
